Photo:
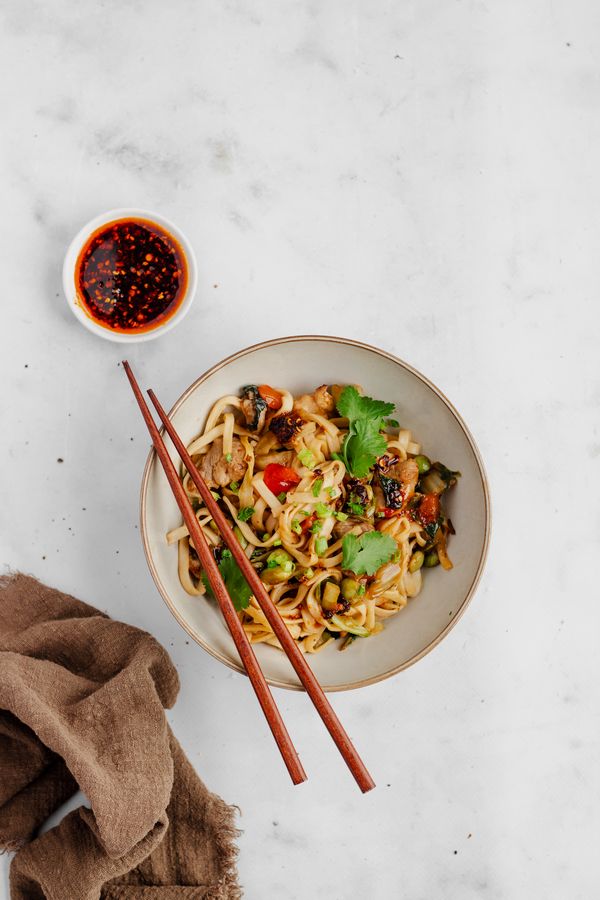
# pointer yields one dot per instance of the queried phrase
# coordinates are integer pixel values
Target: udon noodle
(295, 478)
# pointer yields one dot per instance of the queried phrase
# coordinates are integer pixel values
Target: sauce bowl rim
(70, 262)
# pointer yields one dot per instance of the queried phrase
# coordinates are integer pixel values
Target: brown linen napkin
(81, 705)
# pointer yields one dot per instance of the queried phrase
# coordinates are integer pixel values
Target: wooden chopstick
(289, 645)
(244, 648)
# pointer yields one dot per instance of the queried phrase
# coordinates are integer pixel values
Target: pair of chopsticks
(244, 648)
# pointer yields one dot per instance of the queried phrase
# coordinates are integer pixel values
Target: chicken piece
(357, 526)
(395, 481)
(319, 403)
(324, 400)
(281, 457)
(216, 470)
(306, 404)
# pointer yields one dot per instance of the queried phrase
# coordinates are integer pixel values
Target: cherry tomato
(280, 478)
(429, 509)
(271, 397)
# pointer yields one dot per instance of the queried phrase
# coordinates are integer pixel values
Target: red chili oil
(131, 276)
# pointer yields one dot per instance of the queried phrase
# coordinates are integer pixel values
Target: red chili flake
(131, 275)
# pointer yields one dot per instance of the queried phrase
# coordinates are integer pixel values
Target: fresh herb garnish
(234, 487)
(282, 497)
(316, 488)
(236, 584)
(245, 513)
(356, 508)
(340, 516)
(296, 526)
(322, 510)
(365, 554)
(316, 527)
(366, 418)
(321, 546)
(228, 457)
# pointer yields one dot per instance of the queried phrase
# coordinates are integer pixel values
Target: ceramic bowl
(70, 262)
(300, 364)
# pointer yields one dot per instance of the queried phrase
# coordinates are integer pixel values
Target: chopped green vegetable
(322, 510)
(277, 543)
(278, 558)
(216, 495)
(228, 457)
(416, 561)
(316, 526)
(361, 590)
(349, 588)
(431, 559)
(309, 573)
(245, 513)
(340, 516)
(282, 497)
(240, 538)
(316, 488)
(234, 487)
(306, 458)
(365, 554)
(296, 526)
(356, 508)
(321, 546)
(333, 492)
(329, 598)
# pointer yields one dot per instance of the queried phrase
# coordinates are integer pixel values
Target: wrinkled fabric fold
(82, 701)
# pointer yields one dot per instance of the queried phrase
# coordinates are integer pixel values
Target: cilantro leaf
(366, 418)
(365, 554)
(362, 446)
(354, 406)
(236, 584)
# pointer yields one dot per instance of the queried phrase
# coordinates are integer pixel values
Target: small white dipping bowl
(300, 364)
(70, 263)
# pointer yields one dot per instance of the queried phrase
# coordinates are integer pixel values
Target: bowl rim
(70, 262)
(364, 682)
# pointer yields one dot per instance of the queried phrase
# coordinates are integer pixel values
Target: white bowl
(70, 288)
(300, 364)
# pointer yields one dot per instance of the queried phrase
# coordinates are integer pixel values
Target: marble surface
(423, 176)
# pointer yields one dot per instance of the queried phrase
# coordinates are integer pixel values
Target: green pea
(349, 588)
(423, 463)
(431, 559)
(416, 561)
(279, 569)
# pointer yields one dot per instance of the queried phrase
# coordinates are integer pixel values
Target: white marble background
(424, 176)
